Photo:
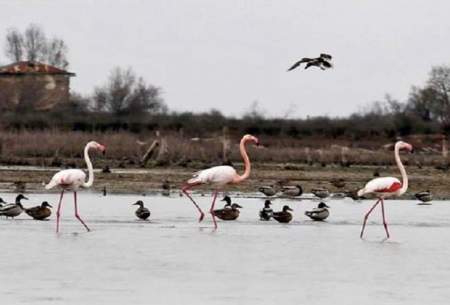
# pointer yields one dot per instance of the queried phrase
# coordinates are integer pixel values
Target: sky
(226, 55)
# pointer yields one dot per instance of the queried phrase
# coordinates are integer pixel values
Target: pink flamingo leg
(58, 212)
(384, 219)
(184, 189)
(367, 216)
(76, 211)
(211, 210)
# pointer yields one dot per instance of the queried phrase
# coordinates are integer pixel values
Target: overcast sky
(226, 54)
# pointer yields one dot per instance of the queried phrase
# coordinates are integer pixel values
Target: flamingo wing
(381, 185)
(214, 175)
(67, 178)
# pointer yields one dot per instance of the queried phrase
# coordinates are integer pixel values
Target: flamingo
(387, 186)
(73, 179)
(219, 177)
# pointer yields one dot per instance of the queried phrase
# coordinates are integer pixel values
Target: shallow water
(173, 259)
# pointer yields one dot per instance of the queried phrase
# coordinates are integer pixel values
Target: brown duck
(229, 211)
(284, 216)
(142, 212)
(40, 212)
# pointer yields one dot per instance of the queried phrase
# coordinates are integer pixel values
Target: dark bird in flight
(322, 62)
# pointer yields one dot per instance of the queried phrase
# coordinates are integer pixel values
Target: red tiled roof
(28, 67)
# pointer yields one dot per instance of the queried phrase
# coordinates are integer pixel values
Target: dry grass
(46, 147)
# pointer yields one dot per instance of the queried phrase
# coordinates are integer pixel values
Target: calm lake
(172, 259)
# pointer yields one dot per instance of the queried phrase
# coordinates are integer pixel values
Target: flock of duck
(219, 177)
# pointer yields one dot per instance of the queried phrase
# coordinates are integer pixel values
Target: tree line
(127, 102)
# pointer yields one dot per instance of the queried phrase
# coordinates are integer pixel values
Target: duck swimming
(320, 213)
(292, 191)
(320, 192)
(40, 212)
(13, 209)
(284, 216)
(142, 212)
(229, 211)
(425, 197)
(270, 190)
(266, 213)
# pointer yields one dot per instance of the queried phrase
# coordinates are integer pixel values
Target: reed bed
(126, 149)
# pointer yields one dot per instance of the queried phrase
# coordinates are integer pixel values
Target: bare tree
(34, 46)
(14, 45)
(35, 43)
(432, 102)
(56, 53)
(123, 95)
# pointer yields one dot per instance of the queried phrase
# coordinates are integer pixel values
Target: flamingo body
(384, 186)
(68, 179)
(218, 175)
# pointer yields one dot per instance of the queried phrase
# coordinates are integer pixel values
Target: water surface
(172, 259)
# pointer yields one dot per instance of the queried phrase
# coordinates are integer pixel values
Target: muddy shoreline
(144, 181)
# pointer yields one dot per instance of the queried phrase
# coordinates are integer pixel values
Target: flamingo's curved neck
(247, 166)
(89, 166)
(402, 171)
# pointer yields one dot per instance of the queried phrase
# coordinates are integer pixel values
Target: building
(29, 85)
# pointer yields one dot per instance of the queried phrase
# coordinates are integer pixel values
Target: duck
(270, 190)
(266, 213)
(320, 192)
(320, 213)
(339, 183)
(425, 197)
(322, 62)
(352, 194)
(13, 209)
(142, 212)
(165, 187)
(229, 211)
(292, 191)
(40, 212)
(284, 216)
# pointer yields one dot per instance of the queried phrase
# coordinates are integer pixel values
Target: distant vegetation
(128, 103)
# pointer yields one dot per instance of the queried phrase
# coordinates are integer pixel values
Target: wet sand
(141, 181)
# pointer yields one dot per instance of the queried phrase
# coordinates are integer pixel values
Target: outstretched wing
(326, 56)
(303, 60)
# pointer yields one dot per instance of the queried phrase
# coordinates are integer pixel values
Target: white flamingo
(219, 176)
(73, 179)
(387, 186)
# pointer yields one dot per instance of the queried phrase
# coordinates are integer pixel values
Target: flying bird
(322, 62)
